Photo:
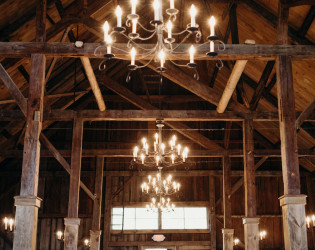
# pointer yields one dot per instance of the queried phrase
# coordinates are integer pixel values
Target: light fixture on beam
(310, 221)
(262, 235)
(8, 224)
(165, 39)
(236, 241)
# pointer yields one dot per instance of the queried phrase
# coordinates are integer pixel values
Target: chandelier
(165, 46)
(159, 187)
(159, 155)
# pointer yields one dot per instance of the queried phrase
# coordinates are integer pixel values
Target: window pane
(173, 223)
(130, 212)
(146, 224)
(196, 224)
(129, 224)
(195, 212)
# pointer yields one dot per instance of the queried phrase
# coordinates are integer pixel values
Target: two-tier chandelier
(159, 188)
(159, 155)
(165, 46)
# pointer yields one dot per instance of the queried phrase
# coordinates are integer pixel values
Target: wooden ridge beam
(232, 51)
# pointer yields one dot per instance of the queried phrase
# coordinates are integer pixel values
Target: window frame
(159, 218)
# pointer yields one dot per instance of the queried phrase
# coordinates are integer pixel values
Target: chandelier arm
(222, 45)
(96, 49)
(145, 29)
(185, 38)
(179, 65)
(145, 38)
(180, 33)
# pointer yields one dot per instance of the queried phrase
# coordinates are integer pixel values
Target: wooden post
(107, 212)
(27, 203)
(250, 221)
(72, 222)
(227, 230)
(95, 233)
(213, 229)
(292, 202)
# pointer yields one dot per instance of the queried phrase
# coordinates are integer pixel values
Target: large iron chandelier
(159, 155)
(165, 45)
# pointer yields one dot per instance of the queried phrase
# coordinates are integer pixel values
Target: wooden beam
(213, 228)
(27, 203)
(231, 84)
(232, 51)
(292, 203)
(294, 3)
(126, 183)
(93, 82)
(250, 221)
(227, 192)
(95, 232)
(127, 153)
(261, 85)
(180, 127)
(107, 212)
(307, 21)
(304, 115)
(75, 170)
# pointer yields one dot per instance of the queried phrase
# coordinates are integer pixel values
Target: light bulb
(169, 27)
(59, 235)
(133, 6)
(191, 53)
(172, 5)
(156, 9)
(193, 13)
(162, 58)
(212, 23)
(86, 242)
(118, 14)
(106, 29)
(133, 55)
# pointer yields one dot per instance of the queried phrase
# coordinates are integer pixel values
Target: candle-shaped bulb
(158, 176)
(118, 14)
(236, 241)
(156, 190)
(153, 200)
(149, 177)
(157, 160)
(133, 55)
(162, 58)
(166, 190)
(5, 220)
(173, 158)
(156, 6)
(172, 5)
(191, 53)
(146, 149)
(135, 152)
(313, 220)
(212, 23)
(11, 221)
(142, 158)
(193, 13)
(169, 27)
(106, 30)
(163, 148)
(59, 235)
(144, 141)
(163, 200)
(86, 242)
(109, 41)
(133, 6)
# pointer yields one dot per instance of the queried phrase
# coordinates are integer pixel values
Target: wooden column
(72, 222)
(293, 203)
(107, 212)
(213, 229)
(27, 203)
(95, 233)
(227, 231)
(250, 221)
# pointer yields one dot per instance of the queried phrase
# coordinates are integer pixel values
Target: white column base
(26, 217)
(95, 239)
(294, 225)
(71, 233)
(251, 233)
(227, 238)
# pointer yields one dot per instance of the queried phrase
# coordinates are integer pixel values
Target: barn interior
(71, 116)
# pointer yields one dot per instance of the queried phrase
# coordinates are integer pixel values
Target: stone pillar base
(251, 233)
(95, 239)
(71, 233)
(26, 216)
(294, 227)
(227, 238)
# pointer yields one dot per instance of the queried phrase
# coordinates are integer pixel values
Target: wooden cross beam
(231, 52)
